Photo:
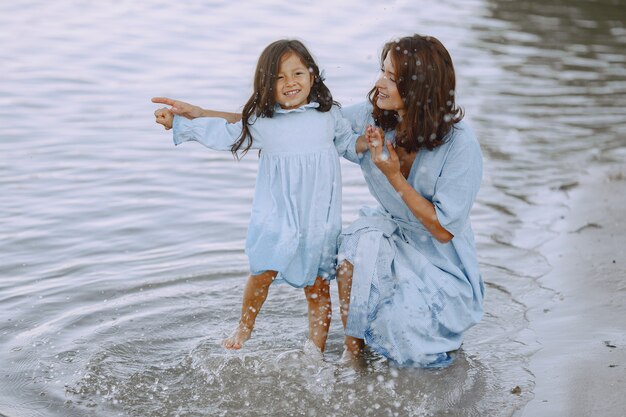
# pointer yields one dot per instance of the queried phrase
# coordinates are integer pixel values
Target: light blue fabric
(415, 301)
(296, 212)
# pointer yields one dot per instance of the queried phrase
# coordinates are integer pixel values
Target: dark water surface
(121, 258)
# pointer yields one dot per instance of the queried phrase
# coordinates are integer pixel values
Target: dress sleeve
(345, 137)
(213, 132)
(357, 117)
(458, 184)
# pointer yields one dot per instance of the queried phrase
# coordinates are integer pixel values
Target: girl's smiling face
(388, 97)
(293, 82)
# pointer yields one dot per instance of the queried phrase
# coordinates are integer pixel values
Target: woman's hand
(164, 117)
(179, 108)
(389, 163)
(370, 133)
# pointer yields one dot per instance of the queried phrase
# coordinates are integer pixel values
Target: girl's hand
(180, 107)
(388, 164)
(362, 143)
(369, 133)
(164, 117)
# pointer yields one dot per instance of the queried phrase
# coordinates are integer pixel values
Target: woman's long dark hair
(426, 82)
(262, 102)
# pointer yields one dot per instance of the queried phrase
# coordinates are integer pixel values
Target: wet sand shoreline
(580, 369)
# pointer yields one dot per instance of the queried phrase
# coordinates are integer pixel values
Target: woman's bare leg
(320, 311)
(254, 296)
(344, 285)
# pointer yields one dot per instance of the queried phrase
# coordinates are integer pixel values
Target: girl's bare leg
(254, 296)
(320, 311)
(344, 285)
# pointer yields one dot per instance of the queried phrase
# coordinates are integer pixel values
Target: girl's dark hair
(426, 82)
(261, 103)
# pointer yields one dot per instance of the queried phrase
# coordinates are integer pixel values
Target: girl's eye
(280, 77)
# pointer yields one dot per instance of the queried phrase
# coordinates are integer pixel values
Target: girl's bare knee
(319, 289)
(264, 278)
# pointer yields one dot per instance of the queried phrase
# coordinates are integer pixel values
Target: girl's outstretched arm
(190, 111)
(215, 130)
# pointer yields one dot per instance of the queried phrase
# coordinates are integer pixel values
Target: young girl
(296, 212)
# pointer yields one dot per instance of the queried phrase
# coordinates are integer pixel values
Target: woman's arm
(421, 208)
(190, 111)
(230, 117)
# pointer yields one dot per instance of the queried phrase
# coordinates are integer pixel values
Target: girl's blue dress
(296, 211)
(413, 297)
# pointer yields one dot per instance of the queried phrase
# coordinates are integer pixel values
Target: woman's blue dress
(413, 297)
(296, 211)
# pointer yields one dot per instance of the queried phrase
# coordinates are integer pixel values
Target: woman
(408, 278)
(409, 283)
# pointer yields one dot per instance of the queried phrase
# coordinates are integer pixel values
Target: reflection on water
(121, 258)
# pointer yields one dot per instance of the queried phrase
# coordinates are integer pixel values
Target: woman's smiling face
(293, 82)
(388, 97)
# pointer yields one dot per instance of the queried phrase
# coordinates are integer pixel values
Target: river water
(121, 257)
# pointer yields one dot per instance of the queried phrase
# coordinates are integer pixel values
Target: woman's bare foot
(237, 338)
(353, 359)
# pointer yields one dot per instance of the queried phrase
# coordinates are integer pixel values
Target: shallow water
(121, 257)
